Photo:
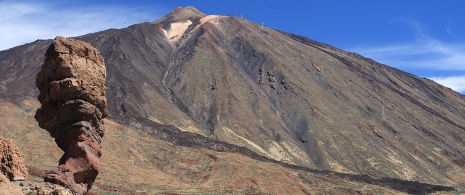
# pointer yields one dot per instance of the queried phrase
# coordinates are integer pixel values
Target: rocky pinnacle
(72, 93)
(11, 161)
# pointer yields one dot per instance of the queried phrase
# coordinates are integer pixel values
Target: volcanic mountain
(190, 90)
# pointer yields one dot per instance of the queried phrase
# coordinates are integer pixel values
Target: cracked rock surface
(72, 93)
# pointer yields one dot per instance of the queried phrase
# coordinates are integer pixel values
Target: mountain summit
(223, 83)
(180, 14)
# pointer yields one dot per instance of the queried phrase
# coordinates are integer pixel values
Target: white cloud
(457, 83)
(25, 22)
(450, 31)
(425, 52)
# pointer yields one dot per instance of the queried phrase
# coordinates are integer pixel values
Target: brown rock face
(12, 161)
(6, 187)
(72, 92)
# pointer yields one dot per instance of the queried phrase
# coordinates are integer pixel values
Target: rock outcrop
(12, 161)
(72, 93)
(12, 167)
(6, 187)
(39, 188)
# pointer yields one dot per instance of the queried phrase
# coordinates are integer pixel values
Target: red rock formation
(72, 92)
(12, 161)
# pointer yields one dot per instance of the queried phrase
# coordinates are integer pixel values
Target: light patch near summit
(176, 30)
(207, 18)
(179, 28)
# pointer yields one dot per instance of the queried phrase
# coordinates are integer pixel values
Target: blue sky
(423, 37)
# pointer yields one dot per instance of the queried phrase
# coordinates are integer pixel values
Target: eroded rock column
(12, 161)
(72, 93)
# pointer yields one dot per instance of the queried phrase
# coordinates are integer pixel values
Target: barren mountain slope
(280, 95)
(136, 163)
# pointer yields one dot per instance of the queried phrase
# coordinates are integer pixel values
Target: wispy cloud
(423, 52)
(450, 31)
(23, 22)
(457, 83)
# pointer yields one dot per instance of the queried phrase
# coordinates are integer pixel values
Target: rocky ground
(14, 177)
(130, 165)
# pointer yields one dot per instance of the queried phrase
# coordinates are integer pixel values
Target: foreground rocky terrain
(217, 104)
(136, 163)
(14, 179)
